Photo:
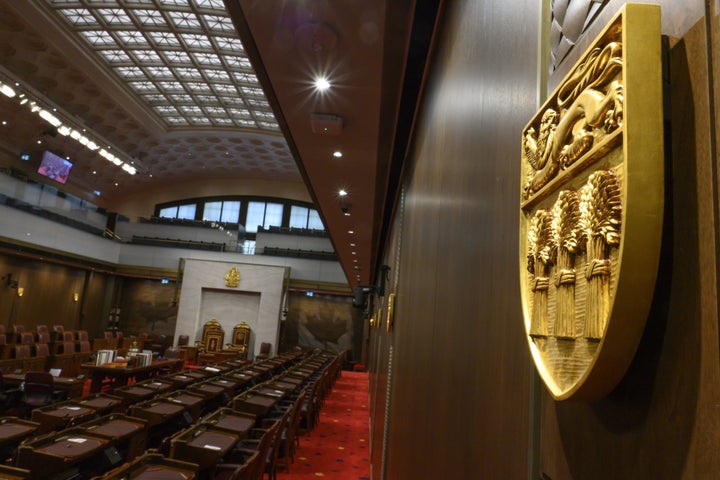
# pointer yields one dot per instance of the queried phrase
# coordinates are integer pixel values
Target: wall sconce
(20, 291)
(76, 296)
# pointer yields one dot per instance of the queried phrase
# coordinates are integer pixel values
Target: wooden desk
(14, 430)
(156, 384)
(203, 445)
(103, 403)
(71, 385)
(253, 403)
(156, 411)
(61, 415)
(59, 453)
(180, 380)
(193, 402)
(153, 466)
(120, 376)
(134, 393)
(128, 433)
(228, 419)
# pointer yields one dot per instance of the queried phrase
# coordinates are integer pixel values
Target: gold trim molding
(591, 209)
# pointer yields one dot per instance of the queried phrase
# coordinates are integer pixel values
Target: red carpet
(338, 448)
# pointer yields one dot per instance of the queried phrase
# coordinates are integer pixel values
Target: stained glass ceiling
(181, 57)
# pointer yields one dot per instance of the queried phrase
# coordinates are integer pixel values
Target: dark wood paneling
(460, 394)
(662, 420)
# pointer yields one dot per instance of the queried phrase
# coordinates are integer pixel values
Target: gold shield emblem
(591, 209)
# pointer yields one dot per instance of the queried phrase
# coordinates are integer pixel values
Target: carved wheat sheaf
(570, 241)
(591, 200)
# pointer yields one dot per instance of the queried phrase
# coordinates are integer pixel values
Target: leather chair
(265, 349)
(38, 390)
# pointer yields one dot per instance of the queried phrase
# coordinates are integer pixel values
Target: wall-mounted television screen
(54, 167)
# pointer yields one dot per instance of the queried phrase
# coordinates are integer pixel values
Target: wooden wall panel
(460, 393)
(462, 378)
(48, 295)
(661, 421)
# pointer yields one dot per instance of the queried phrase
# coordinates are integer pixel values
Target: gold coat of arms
(591, 209)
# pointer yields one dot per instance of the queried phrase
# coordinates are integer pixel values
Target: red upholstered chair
(42, 350)
(69, 347)
(41, 329)
(67, 337)
(82, 336)
(265, 349)
(22, 351)
(43, 337)
(27, 338)
(110, 340)
(85, 346)
(232, 471)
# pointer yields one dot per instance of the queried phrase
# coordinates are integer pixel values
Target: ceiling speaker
(326, 124)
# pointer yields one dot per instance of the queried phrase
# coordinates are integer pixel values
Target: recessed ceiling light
(352, 244)
(347, 214)
(337, 154)
(321, 84)
(116, 184)
(354, 253)
(355, 260)
(4, 122)
(351, 232)
(94, 172)
(342, 193)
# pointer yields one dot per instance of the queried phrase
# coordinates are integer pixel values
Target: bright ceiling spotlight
(322, 84)
(7, 90)
(342, 193)
(337, 154)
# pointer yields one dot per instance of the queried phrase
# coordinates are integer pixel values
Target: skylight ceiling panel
(184, 20)
(147, 57)
(116, 57)
(160, 73)
(155, 98)
(171, 87)
(131, 73)
(199, 120)
(132, 38)
(166, 110)
(181, 98)
(185, 73)
(143, 87)
(207, 59)
(239, 113)
(197, 42)
(191, 110)
(177, 57)
(115, 17)
(79, 17)
(215, 23)
(231, 45)
(164, 40)
(209, 4)
(245, 123)
(246, 78)
(214, 75)
(98, 38)
(207, 100)
(240, 62)
(149, 18)
(268, 125)
(222, 121)
(176, 120)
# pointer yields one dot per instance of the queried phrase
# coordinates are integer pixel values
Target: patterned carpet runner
(338, 448)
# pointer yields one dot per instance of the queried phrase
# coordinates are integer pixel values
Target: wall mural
(148, 306)
(592, 209)
(328, 322)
